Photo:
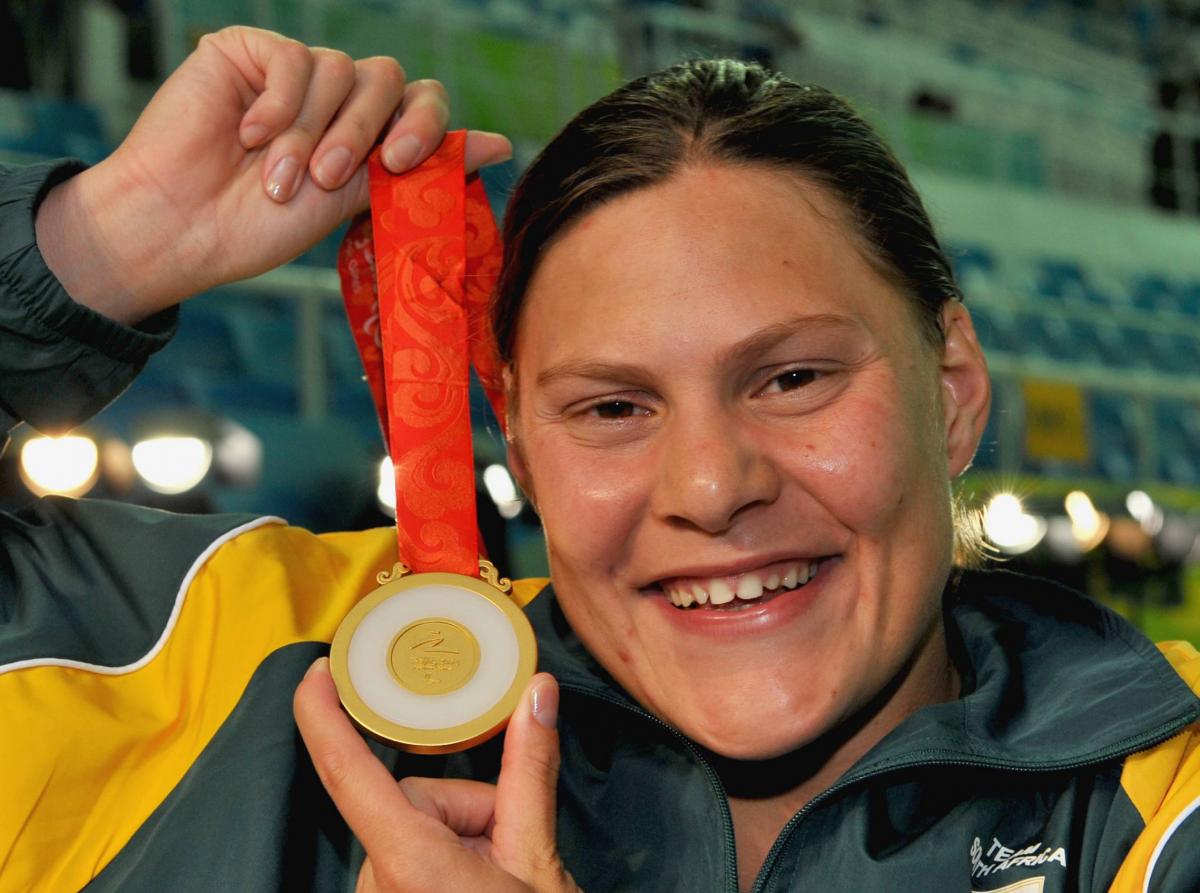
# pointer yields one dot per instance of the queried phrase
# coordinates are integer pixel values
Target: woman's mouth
(739, 591)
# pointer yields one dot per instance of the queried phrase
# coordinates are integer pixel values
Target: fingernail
(253, 134)
(331, 169)
(401, 154)
(544, 704)
(281, 182)
(316, 664)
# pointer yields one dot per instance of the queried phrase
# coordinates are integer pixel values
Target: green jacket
(147, 664)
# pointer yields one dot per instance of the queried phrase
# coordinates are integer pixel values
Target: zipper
(731, 868)
(928, 758)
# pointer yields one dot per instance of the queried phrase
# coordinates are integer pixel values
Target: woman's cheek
(858, 464)
(589, 500)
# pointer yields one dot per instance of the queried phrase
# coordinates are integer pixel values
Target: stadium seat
(1060, 280)
(1114, 437)
(1189, 299)
(996, 328)
(974, 267)
(205, 342)
(1153, 294)
(1177, 439)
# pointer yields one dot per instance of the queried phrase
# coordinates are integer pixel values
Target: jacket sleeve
(1164, 785)
(49, 344)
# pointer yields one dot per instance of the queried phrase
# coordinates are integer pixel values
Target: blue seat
(205, 342)
(1189, 299)
(39, 125)
(156, 390)
(1175, 352)
(973, 265)
(1049, 335)
(1060, 280)
(1153, 294)
(1114, 437)
(1139, 352)
(1177, 440)
(995, 328)
(239, 396)
(265, 333)
(352, 403)
(341, 355)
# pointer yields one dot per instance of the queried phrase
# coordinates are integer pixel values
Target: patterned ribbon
(417, 277)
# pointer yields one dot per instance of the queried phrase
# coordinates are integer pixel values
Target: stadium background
(1057, 145)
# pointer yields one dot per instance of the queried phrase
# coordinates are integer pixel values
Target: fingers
(317, 110)
(465, 807)
(486, 148)
(275, 67)
(378, 90)
(524, 839)
(409, 850)
(419, 128)
(333, 78)
(364, 791)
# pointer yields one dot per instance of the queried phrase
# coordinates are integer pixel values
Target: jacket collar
(1051, 680)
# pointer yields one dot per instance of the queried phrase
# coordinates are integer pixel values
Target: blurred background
(1056, 142)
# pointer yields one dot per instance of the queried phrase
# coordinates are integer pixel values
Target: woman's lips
(712, 592)
(774, 608)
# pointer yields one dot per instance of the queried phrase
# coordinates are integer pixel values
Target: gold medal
(436, 661)
(433, 663)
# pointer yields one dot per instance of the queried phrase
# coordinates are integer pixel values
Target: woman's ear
(516, 455)
(966, 388)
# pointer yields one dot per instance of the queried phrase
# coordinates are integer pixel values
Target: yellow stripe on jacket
(1162, 782)
(97, 753)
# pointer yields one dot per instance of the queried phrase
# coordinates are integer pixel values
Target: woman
(742, 382)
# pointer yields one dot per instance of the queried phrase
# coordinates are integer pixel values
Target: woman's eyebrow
(747, 349)
(596, 370)
(816, 324)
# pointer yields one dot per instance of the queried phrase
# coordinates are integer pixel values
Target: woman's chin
(757, 737)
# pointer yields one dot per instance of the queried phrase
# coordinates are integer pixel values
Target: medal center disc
(433, 656)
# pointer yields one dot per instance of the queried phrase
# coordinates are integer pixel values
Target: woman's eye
(793, 379)
(616, 409)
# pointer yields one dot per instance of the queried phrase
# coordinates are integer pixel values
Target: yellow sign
(1055, 421)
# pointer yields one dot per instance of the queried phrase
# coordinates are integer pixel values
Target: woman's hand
(250, 153)
(425, 835)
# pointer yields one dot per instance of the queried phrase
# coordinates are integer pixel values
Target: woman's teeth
(716, 591)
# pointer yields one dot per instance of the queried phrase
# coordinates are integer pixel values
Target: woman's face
(718, 398)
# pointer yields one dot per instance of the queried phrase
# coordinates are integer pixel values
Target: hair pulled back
(730, 112)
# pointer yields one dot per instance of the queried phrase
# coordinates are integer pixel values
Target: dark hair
(731, 112)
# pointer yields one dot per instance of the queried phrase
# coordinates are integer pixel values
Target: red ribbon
(417, 278)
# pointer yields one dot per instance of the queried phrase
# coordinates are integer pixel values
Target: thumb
(524, 842)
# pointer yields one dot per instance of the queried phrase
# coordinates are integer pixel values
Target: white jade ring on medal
(433, 663)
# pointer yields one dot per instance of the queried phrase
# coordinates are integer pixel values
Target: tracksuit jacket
(148, 661)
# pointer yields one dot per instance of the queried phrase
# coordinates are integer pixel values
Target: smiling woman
(742, 381)
(738, 411)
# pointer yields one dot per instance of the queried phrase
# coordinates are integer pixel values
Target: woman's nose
(712, 470)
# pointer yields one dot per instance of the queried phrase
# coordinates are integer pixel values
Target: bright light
(1143, 510)
(63, 465)
(1007, 525)
(172, 464)
(503, 490)
(238, 454)
(385, 487)
(1087, 525)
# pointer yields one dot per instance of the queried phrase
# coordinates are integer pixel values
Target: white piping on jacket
(167, 630)
(1162, 841)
